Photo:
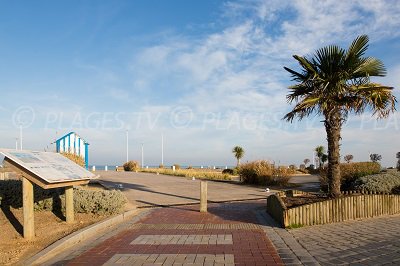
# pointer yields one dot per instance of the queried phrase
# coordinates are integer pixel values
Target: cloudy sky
(207, 74)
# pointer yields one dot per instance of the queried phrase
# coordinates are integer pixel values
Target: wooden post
(69, 204)
(27, 203)
(203, 196)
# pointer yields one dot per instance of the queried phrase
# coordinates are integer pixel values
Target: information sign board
(50, 166)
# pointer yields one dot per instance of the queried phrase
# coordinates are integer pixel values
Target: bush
(85, 201)
(177, 166)
(98, 201)
(229, 171)
(381, 183)
(264, 173)
(350, 172)
(131, 166)
(161, 166)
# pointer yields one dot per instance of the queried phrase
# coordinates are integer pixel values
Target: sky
(207, 75)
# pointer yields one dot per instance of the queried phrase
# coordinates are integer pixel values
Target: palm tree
(334, 83)
(398, 161)
(320, 150)
(238, 152)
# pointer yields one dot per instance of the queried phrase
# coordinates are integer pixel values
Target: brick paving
(171, 259)
(229, 234)
(183, 240)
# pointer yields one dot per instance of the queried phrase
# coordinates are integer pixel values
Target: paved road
(144, 189)
(307, 182)
(229, 234)
(373, 241)
(237, 232)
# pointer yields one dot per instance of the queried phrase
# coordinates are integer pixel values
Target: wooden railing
(354, 205)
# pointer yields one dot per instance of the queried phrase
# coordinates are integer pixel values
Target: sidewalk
(229, 234)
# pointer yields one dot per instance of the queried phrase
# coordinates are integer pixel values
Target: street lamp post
(127, 146)
(20, 137)
(142, 157)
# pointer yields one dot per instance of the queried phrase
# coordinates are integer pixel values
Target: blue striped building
(73, 143)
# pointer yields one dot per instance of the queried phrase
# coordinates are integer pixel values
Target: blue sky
(207, 74)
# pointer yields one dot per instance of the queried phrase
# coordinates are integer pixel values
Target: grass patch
(189, 173)
(294, 226)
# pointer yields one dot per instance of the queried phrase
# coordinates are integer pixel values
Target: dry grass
(197, 173)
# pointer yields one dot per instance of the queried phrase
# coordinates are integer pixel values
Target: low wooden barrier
(352, 206)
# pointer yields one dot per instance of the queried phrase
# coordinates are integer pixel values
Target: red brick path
(250, 246)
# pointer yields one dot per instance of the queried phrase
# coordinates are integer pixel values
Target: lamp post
(162, 149)
(142, 157)
(127, 146)
(20, 137)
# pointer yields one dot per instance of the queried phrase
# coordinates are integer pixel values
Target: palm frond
(358, 47)
(296, 75)
(307, 65)
(370, 66)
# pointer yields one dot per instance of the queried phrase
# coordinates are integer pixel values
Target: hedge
(350, 172)
(85, 201)
(381, 183)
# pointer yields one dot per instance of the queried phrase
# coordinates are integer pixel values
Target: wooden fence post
(203, 196)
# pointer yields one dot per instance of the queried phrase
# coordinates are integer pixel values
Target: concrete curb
(77, 237)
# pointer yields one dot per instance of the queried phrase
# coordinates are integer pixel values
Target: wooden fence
(350, 207)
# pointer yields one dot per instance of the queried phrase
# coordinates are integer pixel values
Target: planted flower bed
(322, 210)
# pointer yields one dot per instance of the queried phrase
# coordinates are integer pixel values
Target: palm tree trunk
(333, 124)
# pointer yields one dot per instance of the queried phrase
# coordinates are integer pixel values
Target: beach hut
(73, 143)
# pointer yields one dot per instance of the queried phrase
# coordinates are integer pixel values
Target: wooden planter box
(351, 207)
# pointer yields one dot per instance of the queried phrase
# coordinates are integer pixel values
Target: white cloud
(238, 71)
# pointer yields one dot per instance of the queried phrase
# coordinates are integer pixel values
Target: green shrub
(350, 172)
(85, 201)
(228, 171)
(382, 183)
(264, 173)
(98, 201)
(131, 166)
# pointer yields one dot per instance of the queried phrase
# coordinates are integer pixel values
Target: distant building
(73, 143)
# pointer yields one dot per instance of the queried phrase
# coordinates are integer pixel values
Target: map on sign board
(50, 166)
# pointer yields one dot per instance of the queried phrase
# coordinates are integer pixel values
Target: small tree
(348, 158)
(375, 157)
(238, 152)
(398, 161)
(306, 161)
(320, 151)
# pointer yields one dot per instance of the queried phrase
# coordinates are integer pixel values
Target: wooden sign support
(27, 203)
(28, 181)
